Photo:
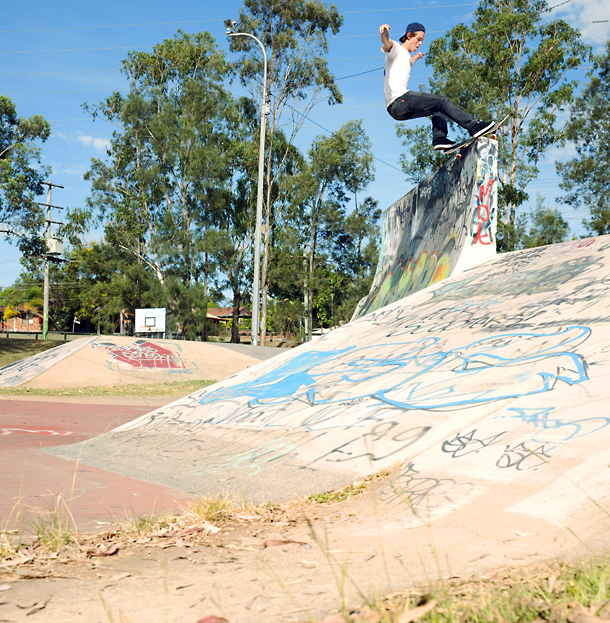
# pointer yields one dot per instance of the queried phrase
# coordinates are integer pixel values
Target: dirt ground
(300, 562)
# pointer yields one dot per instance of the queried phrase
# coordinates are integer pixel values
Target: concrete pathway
(33, 482)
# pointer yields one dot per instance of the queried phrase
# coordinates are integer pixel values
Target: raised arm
(386, 42)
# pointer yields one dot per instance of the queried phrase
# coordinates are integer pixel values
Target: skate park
(477, 380)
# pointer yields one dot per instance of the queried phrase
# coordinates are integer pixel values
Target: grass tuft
(542, 593)
(57, 530)
(214, 509)
(142, 525)
(358, 488)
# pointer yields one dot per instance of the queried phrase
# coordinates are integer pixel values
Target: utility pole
(54, 250)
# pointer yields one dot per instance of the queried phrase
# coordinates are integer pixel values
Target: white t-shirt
(397, 72)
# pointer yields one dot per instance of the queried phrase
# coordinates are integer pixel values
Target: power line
(123, 47)
(419, 8)
(217, 21)
(55, 92)
(53, 73)
(329, 132)
(199, 21)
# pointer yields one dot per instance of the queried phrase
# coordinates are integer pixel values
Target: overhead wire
(217, 21)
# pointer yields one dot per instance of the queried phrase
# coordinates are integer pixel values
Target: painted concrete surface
(34, 482)
(443, 226)
(118, 360)
(491, 388)
(20, 372)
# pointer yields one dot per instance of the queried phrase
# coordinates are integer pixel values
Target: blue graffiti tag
(562, 430)
(418, 374)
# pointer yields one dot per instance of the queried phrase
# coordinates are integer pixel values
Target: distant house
(222, 315)
(25, 320)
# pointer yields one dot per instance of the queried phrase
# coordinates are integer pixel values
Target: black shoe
(440, 144)
(480, 128)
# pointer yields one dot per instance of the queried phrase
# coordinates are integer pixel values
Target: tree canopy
(586, 176)
(21, 177)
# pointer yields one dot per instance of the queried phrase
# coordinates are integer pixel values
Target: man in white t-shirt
(403, 104)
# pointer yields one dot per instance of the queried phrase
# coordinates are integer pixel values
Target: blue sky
(55, 56)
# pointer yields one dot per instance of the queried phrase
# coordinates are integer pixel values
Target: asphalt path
(34, 482)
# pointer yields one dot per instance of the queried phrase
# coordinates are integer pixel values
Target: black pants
(415, 104)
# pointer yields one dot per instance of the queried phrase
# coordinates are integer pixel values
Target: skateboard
(462, 144)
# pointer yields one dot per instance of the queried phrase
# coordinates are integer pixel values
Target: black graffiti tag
(414, 490)
(463, 444)
(521, 457)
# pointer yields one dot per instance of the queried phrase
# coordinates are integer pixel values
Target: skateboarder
(403, 104)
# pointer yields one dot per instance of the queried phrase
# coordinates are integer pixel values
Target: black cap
(413, 27)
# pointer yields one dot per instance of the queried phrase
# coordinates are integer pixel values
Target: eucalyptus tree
(337, 165)
(21, 176)
(294, 34)
(512, 60)
(586, 176)
(159, 190)
(547, 225)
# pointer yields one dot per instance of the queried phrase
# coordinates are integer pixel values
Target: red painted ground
(31, 481)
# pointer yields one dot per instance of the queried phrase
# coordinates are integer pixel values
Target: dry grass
(142, 390)
(543, 593)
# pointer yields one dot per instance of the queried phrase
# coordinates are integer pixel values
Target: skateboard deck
(462, 144)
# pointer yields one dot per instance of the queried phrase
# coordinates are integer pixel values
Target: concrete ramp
(443, 226)
(491, 388)
(119, 360)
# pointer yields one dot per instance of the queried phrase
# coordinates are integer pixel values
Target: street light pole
(229, 26)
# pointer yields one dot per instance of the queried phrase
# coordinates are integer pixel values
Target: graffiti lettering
(556, 430)
(520, 454)
(409, 488)
(461, 445)
(144, 355)
(352, 450)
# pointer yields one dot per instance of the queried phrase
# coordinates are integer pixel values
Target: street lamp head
(230, 26)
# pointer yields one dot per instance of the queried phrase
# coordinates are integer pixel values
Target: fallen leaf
(200, 528)
(478, 557)
(524, 533)
(16, 561)
(309, 564)
(582, 617)
(27, 606)
(367, 558)
(98, 553)
(250, 603)
(212, 619)
(274, 542)
(116, 578)
(38, 608)
(197, 602)
(178, 588)
(5, 587)
(416, 613)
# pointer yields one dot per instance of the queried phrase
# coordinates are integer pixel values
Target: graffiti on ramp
(142, 355)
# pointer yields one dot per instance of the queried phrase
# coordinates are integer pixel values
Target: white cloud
(77, 169)
(581, 14)
(99, 144)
